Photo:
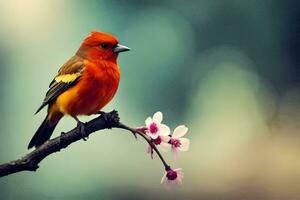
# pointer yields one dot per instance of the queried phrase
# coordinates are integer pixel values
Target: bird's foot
(81, 129)
(62, 138)
(111, 118)
(103, 114)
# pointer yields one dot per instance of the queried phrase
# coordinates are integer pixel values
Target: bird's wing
(67, 76)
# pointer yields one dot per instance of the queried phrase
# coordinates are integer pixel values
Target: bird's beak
(120, 48)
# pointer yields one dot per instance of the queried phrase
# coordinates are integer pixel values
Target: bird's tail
(43, 133)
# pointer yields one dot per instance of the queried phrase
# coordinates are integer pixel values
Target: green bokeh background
(227, 69)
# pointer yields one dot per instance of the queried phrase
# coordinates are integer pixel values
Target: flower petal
(179, 172)
(178, 181)
(165, 138)
(163, 130)
(152, 135)
(164, 178)
(185, 144)
(179, 176)
(149, 148)
(165, 147)
(175, 152)
(179, 131)
(157, 117)
(169, 183)
(148, 121)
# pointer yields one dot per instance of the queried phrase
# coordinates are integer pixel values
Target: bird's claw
(111, 118)
(62, 140)
(104, 115)
(81, 130)
(101, 112)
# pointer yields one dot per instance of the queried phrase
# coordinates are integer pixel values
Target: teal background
(229, 70)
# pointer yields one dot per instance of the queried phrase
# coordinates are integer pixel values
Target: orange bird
(83, 85)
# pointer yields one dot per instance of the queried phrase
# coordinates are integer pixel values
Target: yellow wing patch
(66, 78)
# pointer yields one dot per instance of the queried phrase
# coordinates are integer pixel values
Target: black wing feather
(73, 65)
(54, 91)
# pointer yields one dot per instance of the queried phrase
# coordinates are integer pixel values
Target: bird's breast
(94, 90)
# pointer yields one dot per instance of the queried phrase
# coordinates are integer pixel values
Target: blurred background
(229, 70)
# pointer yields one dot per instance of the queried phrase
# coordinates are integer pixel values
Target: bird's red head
(101, 46)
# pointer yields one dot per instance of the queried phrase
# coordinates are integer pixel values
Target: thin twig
(105, 121)
(148, 139)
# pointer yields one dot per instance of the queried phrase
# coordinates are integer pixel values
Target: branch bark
(30, 161)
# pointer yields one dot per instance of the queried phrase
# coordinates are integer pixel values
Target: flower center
(175, 143)
(153, 128)
(171, 175)
(157, 141)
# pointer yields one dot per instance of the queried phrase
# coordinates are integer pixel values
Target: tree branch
(30, 161)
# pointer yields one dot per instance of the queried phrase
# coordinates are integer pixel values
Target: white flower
(172, 176)
(177, 142)
(154, 126)
(162, 144)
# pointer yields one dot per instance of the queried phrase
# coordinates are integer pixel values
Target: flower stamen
(153, 128)
(171, 175)
(175, 143)
(157, 141)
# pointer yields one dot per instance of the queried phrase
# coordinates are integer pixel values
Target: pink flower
(172, 176)
(150, 150)
(154, 126)
(162, 144)
(177, 142)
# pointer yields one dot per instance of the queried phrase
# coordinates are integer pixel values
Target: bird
(83, 85)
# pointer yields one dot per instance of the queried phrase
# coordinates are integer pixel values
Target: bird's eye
(104, 45)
